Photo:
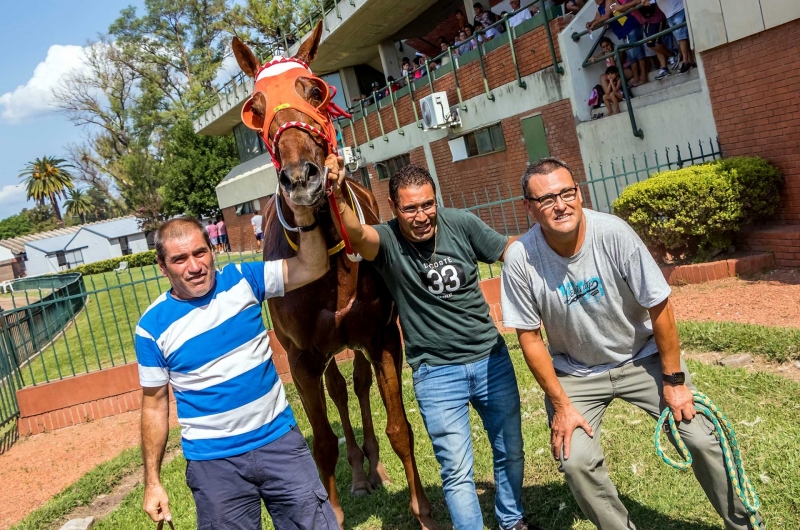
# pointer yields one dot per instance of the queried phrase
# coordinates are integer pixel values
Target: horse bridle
(280, 74)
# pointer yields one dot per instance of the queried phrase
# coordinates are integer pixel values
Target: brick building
(523, 95)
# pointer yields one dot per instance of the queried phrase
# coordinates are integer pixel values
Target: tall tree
(78, 204)
(193, 166)
(48, 178)
(16, 225)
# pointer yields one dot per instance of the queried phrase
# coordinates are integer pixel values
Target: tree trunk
(57, 211)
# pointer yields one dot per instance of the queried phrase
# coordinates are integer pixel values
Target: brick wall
(240, 231)
(754, 84)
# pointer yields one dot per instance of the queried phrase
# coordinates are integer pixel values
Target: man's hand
(565, 421)
(156, 503)
(336, 173)
(680, 400)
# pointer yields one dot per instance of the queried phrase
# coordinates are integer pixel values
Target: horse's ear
(308, 50)
(248, 62)
(253, 112)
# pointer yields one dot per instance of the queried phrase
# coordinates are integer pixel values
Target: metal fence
(605, 188)
(24, 331)
(85, 323)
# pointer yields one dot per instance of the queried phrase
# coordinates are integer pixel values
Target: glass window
(387, 168)
(365, 178)
(483, 141)
(248, 143)
(244, 208)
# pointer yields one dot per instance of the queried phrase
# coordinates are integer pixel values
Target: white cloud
(36, 96)
(229, 68)
(12, 199)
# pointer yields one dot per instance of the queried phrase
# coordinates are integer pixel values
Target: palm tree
(78, 203)
(47, 178)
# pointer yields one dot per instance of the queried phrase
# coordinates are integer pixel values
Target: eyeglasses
(412, 211)
(549, 200)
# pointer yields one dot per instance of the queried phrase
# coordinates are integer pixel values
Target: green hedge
(696, 210)
(134, 260)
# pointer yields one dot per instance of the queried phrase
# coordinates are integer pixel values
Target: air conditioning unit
(351, 159)
(435, 111)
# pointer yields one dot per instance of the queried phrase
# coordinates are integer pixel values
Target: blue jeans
(444, 394)
(636, 53)
(679, 18)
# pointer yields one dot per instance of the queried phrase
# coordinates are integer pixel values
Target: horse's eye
(315, 93)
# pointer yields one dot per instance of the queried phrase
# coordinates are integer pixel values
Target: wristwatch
(676, 378)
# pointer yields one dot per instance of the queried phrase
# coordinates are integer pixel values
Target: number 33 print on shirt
(443, 278)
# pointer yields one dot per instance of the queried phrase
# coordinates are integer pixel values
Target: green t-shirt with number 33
(443, 314)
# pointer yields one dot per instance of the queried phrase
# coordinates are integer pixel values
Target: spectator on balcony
(394, 86)
(520, 16)
(462, 19)
(464, 43)
(484, 36)
(484, 17)
(607, 45)
(676, 14)
(614, 94)
(419, 67)
(445, 59)
(573, 7)
(627, 29)
(405, 68)
(653, 22)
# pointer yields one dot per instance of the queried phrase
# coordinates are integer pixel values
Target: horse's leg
(337, 389)
(386, 359)
(362, 381)
(325, 445)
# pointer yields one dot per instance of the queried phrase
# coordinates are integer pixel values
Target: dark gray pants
(228, 491)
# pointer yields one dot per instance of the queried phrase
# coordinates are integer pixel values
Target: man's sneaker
(522, 524)
(685, 67)
(664, 72)
(674, 61)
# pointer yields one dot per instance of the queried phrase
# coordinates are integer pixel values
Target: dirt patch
(769, 299)
(105, 504)
(790, 370)
(38, 467)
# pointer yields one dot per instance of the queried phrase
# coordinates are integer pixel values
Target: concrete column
(470, 12)
(349, 84)
(426, 147)
(389, 60)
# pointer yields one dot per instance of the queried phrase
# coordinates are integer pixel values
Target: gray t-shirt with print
(594, 304)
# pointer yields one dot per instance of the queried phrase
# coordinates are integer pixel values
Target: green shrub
(134, 260)
(695, 211)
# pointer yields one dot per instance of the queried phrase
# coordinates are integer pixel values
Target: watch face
(679, 378)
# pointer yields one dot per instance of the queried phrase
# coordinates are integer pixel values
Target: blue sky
(46, 34)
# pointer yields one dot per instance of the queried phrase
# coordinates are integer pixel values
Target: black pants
(228, 491)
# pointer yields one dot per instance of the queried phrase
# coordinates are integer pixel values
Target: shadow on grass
(549, 505)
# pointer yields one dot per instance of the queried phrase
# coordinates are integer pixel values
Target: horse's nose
(303, 175)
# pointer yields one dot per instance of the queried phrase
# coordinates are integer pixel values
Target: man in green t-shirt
(428, 257)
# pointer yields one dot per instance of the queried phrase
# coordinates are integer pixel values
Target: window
(484, 141)
(387, 168)
(248, 143)
(365, 178)
(124, 246)
(68, 259)
(253, 206)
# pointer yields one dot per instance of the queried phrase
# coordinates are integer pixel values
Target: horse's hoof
(361, 489)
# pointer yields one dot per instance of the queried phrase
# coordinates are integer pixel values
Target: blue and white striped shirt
(215, 352)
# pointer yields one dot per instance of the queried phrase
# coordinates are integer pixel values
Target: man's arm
(364, 239)
(677, 397)
(566, 418)
(508, 244)
(155, 429)
(312, 261)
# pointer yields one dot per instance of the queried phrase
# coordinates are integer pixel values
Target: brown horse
(349, 307)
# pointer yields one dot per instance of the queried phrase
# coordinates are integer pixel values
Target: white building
(90, 243)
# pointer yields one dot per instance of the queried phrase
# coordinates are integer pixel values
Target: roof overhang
(250, 180)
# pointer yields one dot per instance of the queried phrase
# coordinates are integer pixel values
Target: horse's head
(289, 109)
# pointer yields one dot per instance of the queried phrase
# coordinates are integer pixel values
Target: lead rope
(730, 450)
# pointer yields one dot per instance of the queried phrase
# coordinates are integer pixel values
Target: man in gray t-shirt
(590, 281)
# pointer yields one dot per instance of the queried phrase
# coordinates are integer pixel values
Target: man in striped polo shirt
(206, 338)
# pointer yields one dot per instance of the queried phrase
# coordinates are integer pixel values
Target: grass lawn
(764, 409)
(101, 335)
